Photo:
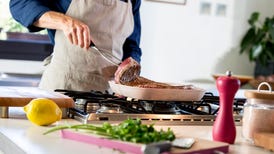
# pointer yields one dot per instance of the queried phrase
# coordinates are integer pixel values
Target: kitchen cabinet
(13, 79)
(21, 61)
(18, 135)
(25, 50)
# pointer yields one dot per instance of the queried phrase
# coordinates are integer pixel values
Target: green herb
(129, 130)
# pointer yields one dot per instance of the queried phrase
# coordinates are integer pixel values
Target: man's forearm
(53, 20)
(76, 31)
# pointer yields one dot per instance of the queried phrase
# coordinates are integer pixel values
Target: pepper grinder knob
(224, 129)
(228, 73)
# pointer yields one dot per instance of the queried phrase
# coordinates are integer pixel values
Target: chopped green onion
(129, 130)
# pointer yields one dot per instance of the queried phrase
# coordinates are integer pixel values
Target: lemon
(42, 111)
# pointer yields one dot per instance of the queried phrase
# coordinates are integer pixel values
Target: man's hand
(77, 32)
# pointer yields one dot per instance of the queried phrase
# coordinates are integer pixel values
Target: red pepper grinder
(224, 129)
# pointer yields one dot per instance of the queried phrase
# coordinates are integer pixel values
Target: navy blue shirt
(27, 12)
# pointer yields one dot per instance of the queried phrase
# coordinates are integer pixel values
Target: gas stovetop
(98, 107)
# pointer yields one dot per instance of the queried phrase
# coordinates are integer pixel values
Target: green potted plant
(15, 31)
(258, 43)
(12, 26)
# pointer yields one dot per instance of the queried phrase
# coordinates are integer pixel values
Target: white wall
(179, 44)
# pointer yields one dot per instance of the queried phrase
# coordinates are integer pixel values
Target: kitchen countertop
(18, 135)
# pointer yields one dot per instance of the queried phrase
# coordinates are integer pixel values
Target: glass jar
(258, 115)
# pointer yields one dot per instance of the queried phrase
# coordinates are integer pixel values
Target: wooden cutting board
(200, 146)
(21, 96)
(265, 140)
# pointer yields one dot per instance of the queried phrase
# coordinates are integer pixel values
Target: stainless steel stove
(98, 107)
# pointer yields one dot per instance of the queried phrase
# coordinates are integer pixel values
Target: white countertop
(18, 135)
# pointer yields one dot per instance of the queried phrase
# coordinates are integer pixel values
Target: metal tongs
(106, 54)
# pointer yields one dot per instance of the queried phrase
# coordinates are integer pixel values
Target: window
(8, 24)
(5, 13)
(17, 43)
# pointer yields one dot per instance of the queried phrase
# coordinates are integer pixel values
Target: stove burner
(112, 108)
(165, 108)
(92, 107)
(86, 106)
(80, 104)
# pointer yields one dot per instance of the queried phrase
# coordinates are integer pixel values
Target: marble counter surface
(18, 136)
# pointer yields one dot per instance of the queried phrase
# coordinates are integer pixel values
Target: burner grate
(97, 106)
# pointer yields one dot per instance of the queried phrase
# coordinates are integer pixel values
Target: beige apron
(74, 68)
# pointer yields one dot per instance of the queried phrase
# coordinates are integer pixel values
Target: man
(112, 25)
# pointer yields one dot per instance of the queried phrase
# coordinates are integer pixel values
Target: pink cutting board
(200, 146)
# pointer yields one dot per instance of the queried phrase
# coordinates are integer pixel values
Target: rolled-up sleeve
(27, 12)
(132, 44)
